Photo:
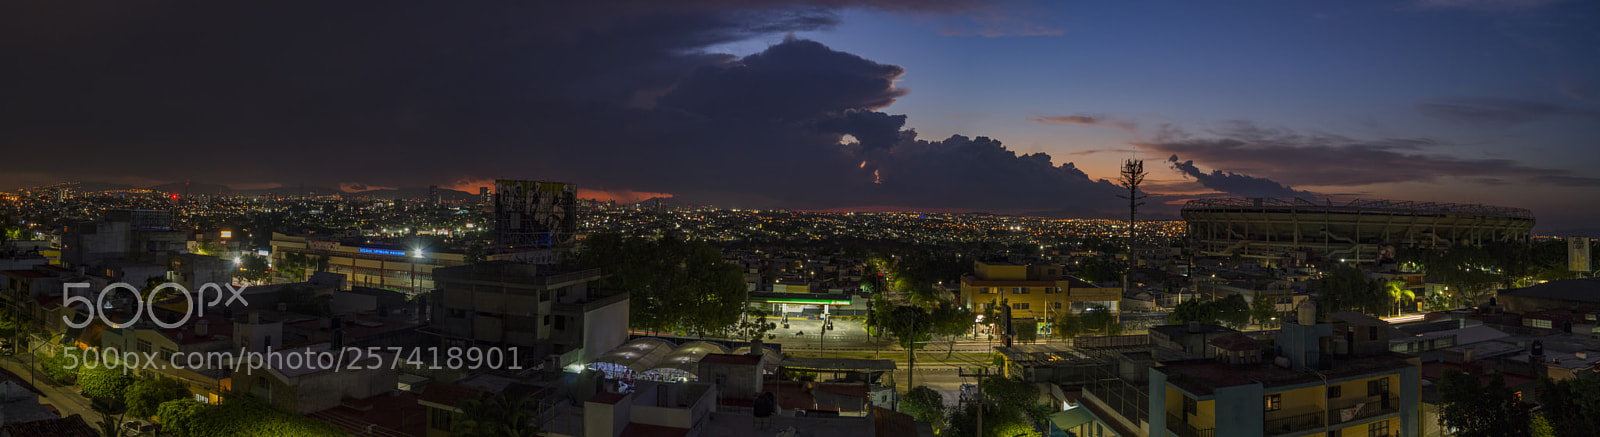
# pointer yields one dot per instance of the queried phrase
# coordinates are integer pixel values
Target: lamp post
(417, 255)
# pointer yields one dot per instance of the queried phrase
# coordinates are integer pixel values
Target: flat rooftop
(1204, 376)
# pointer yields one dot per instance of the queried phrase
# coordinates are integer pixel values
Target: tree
(912, 328)
(1263, 310)
(1398, 293)
(475, 252)
(1541, 427)
(178, 416)
(676, 284)
(1232, 311)
(145, 396)
(1067, 325)
(1014, 403)
(1100, 268)
(951, 321)
(253, 268)
(1347, 288)
(208, 248)
(1100, 318)
(1011, 393)
(1481, 410)
(754, 325)
(501, 415)
(1571, 406)
(1192, 311)
(104, 382)
(997, 421)
(926, 405)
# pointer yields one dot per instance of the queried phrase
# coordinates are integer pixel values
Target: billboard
(1578, 254)
(535, 213)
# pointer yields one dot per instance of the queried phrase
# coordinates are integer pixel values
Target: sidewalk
(66, 399)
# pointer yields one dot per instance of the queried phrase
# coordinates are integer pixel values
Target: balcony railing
(1362, 408)
(1286, 422)
(1176, 425)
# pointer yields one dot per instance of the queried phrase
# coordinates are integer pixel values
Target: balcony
(1288, 422)
(1352, 410)
(1176, 425)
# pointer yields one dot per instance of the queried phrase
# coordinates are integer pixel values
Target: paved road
(67, 399)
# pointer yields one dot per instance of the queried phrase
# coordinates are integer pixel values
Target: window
(1189, 407)
(544, 296)
(983, 290)
(1372, 333)
(1274, 402)
(1019, 306)
(1019, 290)
(1378, 429)
(441, 419)
(1378, 386)
(1058, 305)
(144, 346)
(1335, 391)
(547, 320)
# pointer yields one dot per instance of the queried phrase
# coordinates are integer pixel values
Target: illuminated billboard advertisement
(1578, 254)
(535, 213)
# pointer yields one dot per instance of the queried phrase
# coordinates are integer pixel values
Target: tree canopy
(1571, 406)
(676, 284)
(925, 404)
(1231, 311)
(1347, 288)
(1479, 410)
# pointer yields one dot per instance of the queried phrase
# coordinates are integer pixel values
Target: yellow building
(1320, 385)
(1034, 291)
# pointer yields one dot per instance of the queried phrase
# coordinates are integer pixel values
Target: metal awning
(1073, 418)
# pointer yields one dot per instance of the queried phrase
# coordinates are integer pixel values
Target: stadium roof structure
(1394, 207)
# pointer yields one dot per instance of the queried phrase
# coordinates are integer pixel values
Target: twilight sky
(822, 104)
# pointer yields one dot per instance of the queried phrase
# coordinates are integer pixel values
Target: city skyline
(1015, 107)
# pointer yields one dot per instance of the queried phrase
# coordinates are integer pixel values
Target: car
(138, 427)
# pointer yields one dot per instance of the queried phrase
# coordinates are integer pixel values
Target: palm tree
(1398, 293)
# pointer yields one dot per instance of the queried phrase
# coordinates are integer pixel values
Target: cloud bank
(418, 93)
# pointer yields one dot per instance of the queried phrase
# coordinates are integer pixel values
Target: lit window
(1274, 402)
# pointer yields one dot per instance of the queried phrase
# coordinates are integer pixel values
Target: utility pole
(1132, 175)
(982, 373)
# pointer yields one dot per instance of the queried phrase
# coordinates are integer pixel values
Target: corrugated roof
(1575, 290)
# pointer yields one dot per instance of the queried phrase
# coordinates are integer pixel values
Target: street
(66, 399)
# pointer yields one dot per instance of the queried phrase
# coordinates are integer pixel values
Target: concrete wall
(1239, 411)
(606, 420)
(604, 329)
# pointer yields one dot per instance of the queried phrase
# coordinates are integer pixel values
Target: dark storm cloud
(1495, 112)
(613, 94)
(1236, 184)
(1334, 160)
(783, 83)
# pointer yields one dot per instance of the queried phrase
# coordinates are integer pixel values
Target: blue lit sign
(382, 252)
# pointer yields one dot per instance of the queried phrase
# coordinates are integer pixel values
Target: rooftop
(1576, 290)
(1202, 377)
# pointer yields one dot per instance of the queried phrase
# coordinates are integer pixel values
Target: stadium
(1358, 231)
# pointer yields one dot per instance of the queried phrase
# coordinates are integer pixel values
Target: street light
(417, 254)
